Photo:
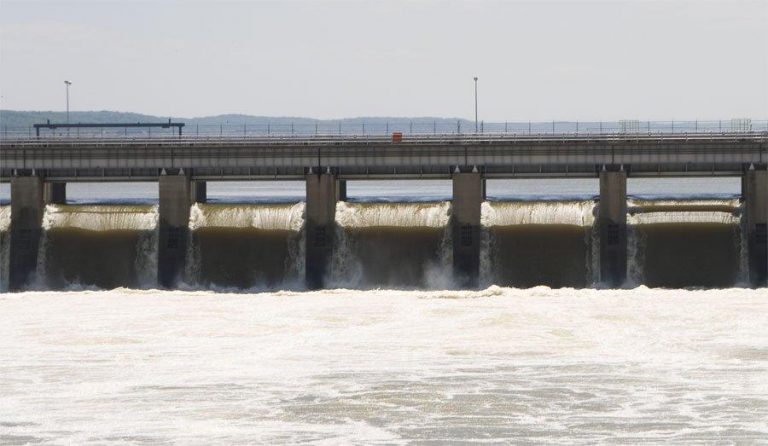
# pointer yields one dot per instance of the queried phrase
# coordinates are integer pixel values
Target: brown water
(244, 257)
(529, 255)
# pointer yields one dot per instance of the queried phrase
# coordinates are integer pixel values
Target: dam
(326, 240)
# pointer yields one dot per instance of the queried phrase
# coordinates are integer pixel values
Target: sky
(535, 60)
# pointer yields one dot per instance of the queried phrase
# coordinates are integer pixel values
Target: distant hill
(25, 119)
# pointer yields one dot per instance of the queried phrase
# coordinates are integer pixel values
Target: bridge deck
(354, 157)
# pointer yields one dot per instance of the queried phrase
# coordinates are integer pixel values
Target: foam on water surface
(394, 367)
(263, 216)
(408, 215)
(101, 217)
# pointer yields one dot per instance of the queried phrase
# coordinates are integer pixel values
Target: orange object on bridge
(397, 136)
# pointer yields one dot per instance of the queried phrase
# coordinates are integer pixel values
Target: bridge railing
(419, 127)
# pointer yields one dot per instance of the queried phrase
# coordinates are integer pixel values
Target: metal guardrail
(414, 128)
(357, 140)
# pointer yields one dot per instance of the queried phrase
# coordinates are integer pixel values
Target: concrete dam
(327, 240)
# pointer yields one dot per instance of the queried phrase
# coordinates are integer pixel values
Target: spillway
(245, 246)
(392, 245)
(671, 243)
(105, 246)
(530, 243)
(686, 243)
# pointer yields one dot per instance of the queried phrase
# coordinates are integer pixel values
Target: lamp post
(475, 104)
(67, 83)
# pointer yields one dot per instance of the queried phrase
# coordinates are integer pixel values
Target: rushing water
(384, 367)
(410, 363)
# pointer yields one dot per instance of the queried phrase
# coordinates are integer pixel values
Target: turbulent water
(106, 246)
(537, 243)
(683, 243)
(384, 367)
(392, 244)
(410, 363)
(246, 246)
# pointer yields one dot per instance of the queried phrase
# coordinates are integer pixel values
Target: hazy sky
(329, 59)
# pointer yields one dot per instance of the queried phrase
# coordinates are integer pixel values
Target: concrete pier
(341, 190)
(612, 221)
(175, 201)
(320, 224)
(755, 195)
(198, 191)
(27, 206)
(55, 193)
(468, 195)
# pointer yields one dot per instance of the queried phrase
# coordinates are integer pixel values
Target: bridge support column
(55, 193)
(175, 202)
(755, 194)
(27, 207)
(341, 190)
(199, 191)
(468, 195)
(612, 221)
(320, 226)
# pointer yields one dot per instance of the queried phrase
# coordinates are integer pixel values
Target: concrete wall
(468, 196)
(175, 202)
(755, 195)
(27, 207)
(320, 225)
(612, 222)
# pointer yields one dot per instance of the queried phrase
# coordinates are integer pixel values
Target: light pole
(67, 83)
(475, 104)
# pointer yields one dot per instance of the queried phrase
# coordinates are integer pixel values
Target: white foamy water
(428, 214)
(683, 211)
(5, 218)
(263, 216)
(579, 213)
(384, 367)
(100, 217)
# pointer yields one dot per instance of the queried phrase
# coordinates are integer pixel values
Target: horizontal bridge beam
(68, 159)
